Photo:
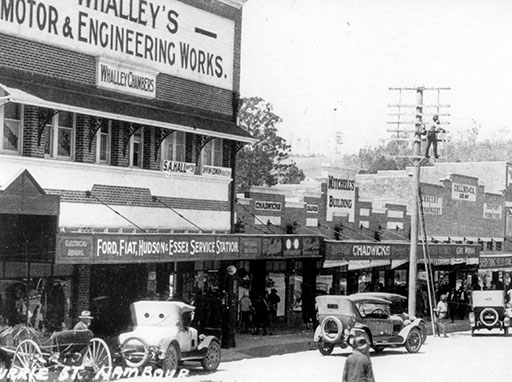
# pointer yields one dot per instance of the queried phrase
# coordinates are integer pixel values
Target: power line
(89, 194)
(254, 216)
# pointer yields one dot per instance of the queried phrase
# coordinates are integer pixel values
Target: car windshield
(367, 308)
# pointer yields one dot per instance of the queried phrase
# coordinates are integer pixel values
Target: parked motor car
(341, 318)
(489, 311)
(162, 337)
(398, 307)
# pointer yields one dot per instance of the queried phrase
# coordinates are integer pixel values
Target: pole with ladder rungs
(421, 109)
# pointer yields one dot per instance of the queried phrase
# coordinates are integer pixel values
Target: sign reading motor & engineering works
(341, 195)
(167, 36)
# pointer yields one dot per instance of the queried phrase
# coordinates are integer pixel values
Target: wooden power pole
(404, 133)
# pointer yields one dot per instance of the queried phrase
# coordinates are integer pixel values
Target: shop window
(174, 147)
(276, 266)
(43, 303)
(489, 245)
(499, 246)
(137, 148)
(60, 137)
(212, 153)
(103, 142)
(11, 134)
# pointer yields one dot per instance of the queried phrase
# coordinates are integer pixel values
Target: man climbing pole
(431, 133)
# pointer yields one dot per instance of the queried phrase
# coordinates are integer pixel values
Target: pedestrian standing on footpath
(441, 314)
(358, 366)
(245, 313)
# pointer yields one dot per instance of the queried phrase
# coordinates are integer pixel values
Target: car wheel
(423, 331)
(332, 329)
(211, 360)
(324, 348)
(170, 362)
(413, 341)
(505, 331)
(379, 349)
(472, 332)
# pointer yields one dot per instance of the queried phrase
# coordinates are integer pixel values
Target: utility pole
(417, 159)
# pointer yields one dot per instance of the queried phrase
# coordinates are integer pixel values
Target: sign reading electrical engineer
(165, 35)
(340, 198)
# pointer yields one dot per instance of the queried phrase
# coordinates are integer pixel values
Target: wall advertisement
(465, 192)
(341, 195)
(163, 35)
(432, 205)
(493, 211)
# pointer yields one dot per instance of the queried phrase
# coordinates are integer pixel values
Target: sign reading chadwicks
(340, 197)
(164, 35)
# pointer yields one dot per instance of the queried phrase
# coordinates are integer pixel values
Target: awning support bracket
(94, 127)
(161, 134)
(44, 118)
(132, 129)
(203, 141)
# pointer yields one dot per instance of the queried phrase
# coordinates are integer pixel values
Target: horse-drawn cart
(28, 355)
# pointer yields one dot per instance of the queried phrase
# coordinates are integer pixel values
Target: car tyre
(493, 312)
(211, 360)
(325, 348)
(505, 331)
(171, 360)
(135, 352)
(327, 336)
(379, 349)
(413, 342)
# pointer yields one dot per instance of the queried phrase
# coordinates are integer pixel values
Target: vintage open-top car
(398, 307)
(162, 337)
(342, 318)
(489, 311)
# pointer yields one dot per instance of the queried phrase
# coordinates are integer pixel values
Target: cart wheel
(97, 357)
(211, 360)
(135, 352)
(28, 360)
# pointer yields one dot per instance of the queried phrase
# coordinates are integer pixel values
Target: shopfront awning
(354, 265)
(496, 262)
(69, 96)
(335, 263)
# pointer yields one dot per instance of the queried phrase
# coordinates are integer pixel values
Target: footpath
(284, 341)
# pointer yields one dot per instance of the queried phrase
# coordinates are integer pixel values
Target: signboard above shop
(166, 36)
(147, 248)
(341, 194)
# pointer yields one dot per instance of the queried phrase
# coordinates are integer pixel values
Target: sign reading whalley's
(164, 35)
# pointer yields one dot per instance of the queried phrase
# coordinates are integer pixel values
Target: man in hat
(85, 321)
(358, 366)
(431, 134)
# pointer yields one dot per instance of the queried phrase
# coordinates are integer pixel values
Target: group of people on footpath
(258, 313)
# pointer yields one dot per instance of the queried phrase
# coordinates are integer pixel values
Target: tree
(266, 162)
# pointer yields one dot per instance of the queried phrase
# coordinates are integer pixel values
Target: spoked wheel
(97, 357)
(413, 342)
(135, 352)
(211, 360)
(28, 361)
(170, 362)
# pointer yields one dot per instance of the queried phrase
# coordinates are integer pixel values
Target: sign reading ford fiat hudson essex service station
(104, 248)
(164, 36)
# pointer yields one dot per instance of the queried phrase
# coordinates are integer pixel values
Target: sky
(327, 66)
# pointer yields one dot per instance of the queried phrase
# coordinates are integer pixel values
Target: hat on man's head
(86, 314)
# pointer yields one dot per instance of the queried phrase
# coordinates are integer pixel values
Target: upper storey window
(60, 137)
(174, 147)
(212, 153)
(11, 134)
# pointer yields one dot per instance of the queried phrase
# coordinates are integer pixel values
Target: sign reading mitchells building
(164, 35)
(341, 195)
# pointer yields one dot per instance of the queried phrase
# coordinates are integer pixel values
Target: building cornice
(234, 3)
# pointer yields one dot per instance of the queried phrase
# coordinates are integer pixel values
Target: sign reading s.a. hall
(340, 198)
(167, 36)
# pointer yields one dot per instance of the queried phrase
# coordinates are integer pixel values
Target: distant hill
(312, 166)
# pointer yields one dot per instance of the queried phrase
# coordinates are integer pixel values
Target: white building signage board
(341, 195)
(164, 35)
(432, 205)
(463, 192)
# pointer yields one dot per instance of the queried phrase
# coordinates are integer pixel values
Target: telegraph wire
(156, 199)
